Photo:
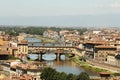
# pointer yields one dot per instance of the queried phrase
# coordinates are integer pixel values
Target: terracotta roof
(112, 54)
(4, 53)
(102, 46)
(63, 31)
(5, 79)
(22, 66)
(118, 38)
(14, 67)
(23, 42)
(5, 46)
(29, 67)
(49, 30)
(26, 77)
(90, 42)
(23, 77)
(14, 48)
(8, 61)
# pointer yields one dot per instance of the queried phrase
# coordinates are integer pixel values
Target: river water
(63, 65)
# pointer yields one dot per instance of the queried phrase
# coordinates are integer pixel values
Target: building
(117, 43)
(101, 52)
(117, 57)
(22, 77)
(51, 34)
(2, 33)
(96, 32)
(4, 49)
(71, 39)
(3, 42)
(29, 69)
(113, 59)
(22, 49)
(19, 38)
(17, 69)
(66, 32)
(6, 65)
(89, 47)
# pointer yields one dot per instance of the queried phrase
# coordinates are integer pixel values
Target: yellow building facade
(22, 48)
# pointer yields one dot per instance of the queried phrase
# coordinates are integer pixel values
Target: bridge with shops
(47, 48)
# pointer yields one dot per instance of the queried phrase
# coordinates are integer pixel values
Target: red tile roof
(102, 46)
(93, 42)
(4, 53)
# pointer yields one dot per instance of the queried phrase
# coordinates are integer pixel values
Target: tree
(71, 77)
(62, 76)
(52, 74)
(55, 77)
(44, 74)
(48, 73)
(83, 76)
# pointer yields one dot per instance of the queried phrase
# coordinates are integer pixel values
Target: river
(63, 65)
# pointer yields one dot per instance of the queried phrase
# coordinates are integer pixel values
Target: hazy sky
(60, 12)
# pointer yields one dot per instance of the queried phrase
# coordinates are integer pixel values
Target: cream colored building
(117, 43)
(19, 38)
(35, 73)
(113, 60)
(22, 48)
(101, 52)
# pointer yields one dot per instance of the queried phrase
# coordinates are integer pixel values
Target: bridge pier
(39, 56)
(57, 56)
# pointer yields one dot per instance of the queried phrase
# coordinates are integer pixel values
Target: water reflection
(33, 56)
(62, 66)
(67, 67)
(46, 57)
(62, 57)
(33, 40)
(49, 57)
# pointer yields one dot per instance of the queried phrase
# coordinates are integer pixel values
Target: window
(34, 78)
(106, 59)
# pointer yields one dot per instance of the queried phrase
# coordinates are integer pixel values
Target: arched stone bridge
(58, 50)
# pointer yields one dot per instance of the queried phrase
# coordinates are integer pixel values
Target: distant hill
(64, 21)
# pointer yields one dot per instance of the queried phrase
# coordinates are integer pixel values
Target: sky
(60, 12)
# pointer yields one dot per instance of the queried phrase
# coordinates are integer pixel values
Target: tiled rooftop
(102, 46)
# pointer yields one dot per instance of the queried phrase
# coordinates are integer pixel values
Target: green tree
(44, 74)
(62, 76)
(55, 77)
(71, 77)
(83, 76)
(48, 73)
(52, 74)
